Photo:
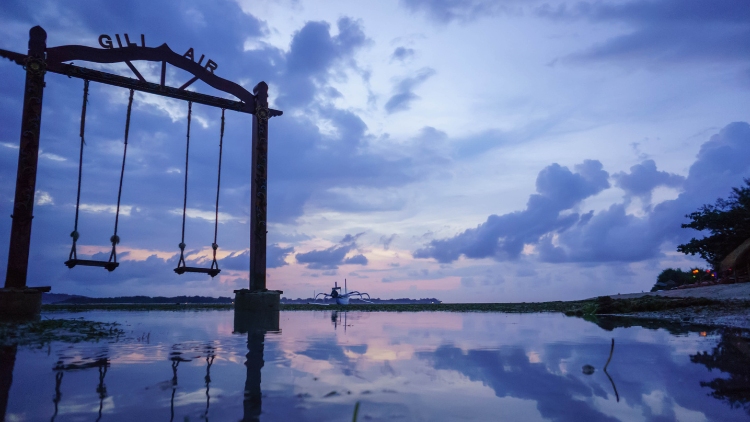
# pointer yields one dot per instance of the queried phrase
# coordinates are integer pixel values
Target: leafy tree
(728, 222)
(671, 278)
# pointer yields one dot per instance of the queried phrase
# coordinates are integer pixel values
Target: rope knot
(74, 234)
(215, 246)
(182, 246)
(115, 239)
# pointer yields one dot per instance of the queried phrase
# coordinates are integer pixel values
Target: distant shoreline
(717, 307)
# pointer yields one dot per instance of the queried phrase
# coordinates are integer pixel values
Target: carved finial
(261, 92)
(37, 40)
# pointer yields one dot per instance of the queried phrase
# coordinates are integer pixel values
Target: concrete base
(245, 300)
(256, 312)
(21, 303)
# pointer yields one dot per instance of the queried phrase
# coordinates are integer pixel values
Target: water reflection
(256, 325)
(426, 366)
(99, 359)
(7, 361)
(730, 356)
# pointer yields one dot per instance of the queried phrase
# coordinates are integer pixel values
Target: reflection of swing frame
(41, 59)
(101, 362)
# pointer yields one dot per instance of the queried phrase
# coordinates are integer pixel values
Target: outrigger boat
(342, 298)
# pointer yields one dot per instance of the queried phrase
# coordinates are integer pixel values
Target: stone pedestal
(21, 303)
(256, 311)
(245, 300)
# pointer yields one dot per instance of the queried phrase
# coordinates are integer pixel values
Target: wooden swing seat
(110, 266)
(213, 272)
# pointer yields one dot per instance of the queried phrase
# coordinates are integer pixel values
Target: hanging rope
(181, 263)
(74, 234)
(115, 239)
(215, 246)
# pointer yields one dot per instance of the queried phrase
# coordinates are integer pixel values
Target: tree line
(727, 223)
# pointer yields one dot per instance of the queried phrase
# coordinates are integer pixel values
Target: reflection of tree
(676, 328)
(732, 356)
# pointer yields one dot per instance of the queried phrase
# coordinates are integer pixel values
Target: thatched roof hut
(738, 258)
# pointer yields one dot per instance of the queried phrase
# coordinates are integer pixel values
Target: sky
(467, 150)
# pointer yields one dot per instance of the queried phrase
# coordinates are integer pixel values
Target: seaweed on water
(44, 331)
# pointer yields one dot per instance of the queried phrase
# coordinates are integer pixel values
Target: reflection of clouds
(532, 381)
(197, 397)
(430, 366)
(379, 350)
(655, 401)
(88, 407)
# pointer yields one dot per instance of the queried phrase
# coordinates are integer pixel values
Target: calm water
(400, 366)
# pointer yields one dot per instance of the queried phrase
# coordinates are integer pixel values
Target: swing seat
(213, 272)
(110, 266)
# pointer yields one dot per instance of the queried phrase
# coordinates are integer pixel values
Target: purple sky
(470, 150)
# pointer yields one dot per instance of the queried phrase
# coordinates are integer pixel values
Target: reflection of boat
(337, 319)
(343, 298)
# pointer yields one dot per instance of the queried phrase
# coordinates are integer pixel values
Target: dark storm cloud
(331, 258)
(502, 237)
(446, 11)
(665, 30)
(404, 91)
(402, 54)
(644, 178)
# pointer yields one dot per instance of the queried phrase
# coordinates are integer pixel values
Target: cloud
(611, 235)
(503, 237)
(331, 258)
(387, 240)
(402, 54)
(43, 198)
(664, 31)
(312, 56)
(404, 95)
(446, 11)
(240, 261)
(644, 178)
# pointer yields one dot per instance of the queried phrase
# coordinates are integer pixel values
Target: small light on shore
(704, 334)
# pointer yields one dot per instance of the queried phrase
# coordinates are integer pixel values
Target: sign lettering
(106, 42)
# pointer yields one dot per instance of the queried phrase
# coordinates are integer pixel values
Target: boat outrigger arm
(343, 298)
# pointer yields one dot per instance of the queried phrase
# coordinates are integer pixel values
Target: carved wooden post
(258, 298)
(258, 203)
(28, 154)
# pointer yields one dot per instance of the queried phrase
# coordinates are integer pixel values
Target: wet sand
(732, 311)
